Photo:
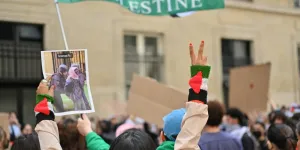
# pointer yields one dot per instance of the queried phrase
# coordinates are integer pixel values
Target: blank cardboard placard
(4, 122)
(151, 100)
(249, 87)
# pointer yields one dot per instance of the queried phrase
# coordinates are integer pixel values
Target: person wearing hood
(59, 80)
(74, 90)
(236, 126)
(82, 79)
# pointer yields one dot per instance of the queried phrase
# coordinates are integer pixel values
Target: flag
(162, 7)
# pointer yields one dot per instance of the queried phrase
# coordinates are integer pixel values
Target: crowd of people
(203, 124)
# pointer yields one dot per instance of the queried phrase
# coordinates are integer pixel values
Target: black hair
(277, 115)
(282, 136)
(237, 114)
(298, 128)
(133, 139)
(28, 142)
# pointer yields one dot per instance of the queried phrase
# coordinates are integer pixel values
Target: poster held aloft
(151, 100)
(249, 87)
(68, 72)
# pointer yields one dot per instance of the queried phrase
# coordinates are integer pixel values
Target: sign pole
(61, 25)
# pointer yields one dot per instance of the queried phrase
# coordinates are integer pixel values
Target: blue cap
(172, 123)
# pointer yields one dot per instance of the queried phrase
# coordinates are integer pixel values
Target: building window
(143, 55)
(20, 48)
(235, 53)
(20, 67)
(297, 3)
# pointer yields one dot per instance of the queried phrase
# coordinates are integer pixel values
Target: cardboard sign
(4, 122)
(249, 87)
(151, 100)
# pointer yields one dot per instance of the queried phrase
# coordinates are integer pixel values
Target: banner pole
(61, 25)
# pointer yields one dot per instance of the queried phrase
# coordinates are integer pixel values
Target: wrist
(40, 97)
(199, 68)
(88, 131)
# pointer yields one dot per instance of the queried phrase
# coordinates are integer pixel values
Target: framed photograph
(68, 70)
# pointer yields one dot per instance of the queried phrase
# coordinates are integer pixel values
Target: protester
(46, 135)
(214, 139)
(27, 142)
(281, 137)
(258, 130)
(277, 117)
(27, 129)
(4, 141)
(237, 126)
(74, 90)
(14, 126)
(193, 120)
(59, 80)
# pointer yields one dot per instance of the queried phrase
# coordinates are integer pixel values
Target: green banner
(161, 7)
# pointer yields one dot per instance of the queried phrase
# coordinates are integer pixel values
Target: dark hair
(70, 138)
(298, 128)
(237, 114)
(282, 136)
(261, 124)
(216, 112)
(28, 142)
(133, 139)
(277, 115)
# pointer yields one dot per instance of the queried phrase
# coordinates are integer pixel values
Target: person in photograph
(74, 90)
(82, 79)
(59, 81)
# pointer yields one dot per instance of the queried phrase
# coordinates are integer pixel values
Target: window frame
(141, 50)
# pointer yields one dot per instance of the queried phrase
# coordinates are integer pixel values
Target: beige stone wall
(100, 26)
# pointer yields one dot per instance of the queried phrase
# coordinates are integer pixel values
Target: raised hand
(44, 89)
(200, 59)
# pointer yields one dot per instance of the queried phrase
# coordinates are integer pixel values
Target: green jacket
(95, 142)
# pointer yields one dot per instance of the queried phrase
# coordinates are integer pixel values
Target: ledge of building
(261, 8)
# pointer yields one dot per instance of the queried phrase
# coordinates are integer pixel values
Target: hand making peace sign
(200, 60)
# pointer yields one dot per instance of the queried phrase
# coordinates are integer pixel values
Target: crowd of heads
(280, 131)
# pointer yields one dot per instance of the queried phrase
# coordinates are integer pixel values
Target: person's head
(258, 129)
(172, 125)
(28, 142)
(69, 136)
(12, 117)
(235, 117)
(133, 139)
(216, 112)
(63, 69)
(27, 129)
(277, 117)
(282, 136)
(4, 142)
(73, 72)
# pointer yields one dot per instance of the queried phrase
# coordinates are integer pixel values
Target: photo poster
(68, 71)
(249, 87)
